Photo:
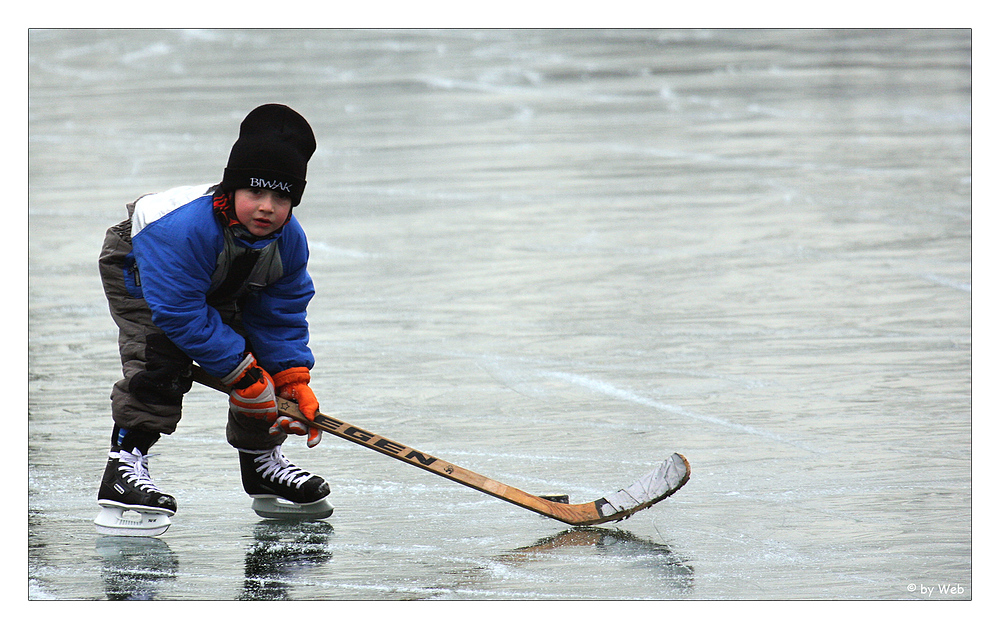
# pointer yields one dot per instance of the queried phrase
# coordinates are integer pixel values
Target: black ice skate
(131, 504)
(282, 490)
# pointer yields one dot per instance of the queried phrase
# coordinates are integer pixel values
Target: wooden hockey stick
(645, 492)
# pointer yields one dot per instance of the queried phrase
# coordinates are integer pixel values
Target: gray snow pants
(156, 372)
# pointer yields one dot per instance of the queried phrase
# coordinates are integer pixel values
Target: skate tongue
(276, 467)
(134, 455)
(138, 469)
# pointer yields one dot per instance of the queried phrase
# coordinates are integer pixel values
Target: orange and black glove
(293, 384)
(252, 391)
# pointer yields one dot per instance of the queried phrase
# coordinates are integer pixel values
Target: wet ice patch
(610, 390)
(326, 249)
(944, 281)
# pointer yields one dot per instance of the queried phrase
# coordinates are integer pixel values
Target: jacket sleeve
(275, 317)
(176, 257)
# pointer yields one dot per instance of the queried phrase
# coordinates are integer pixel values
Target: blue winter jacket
(177, 243)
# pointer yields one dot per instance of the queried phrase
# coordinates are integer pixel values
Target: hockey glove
(293, 384)
(252, 391)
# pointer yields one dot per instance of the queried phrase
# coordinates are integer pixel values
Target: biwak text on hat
(274, 146)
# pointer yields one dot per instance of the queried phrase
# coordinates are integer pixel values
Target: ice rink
(553, 258)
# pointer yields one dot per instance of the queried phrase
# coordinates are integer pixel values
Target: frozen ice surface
(554, 258)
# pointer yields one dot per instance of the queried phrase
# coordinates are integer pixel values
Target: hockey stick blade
(658, 484)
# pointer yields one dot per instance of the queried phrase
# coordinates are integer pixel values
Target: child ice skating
(215, 274)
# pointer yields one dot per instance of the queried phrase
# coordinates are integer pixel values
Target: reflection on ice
(280, 551)
(134, 567)
(614, 545)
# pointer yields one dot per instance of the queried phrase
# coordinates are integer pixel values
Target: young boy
(215, 274)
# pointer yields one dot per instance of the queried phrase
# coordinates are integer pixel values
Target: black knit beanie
(274, 146)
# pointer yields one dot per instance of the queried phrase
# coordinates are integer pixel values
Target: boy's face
(262, 211)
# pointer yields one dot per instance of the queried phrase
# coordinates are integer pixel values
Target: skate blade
(118, 521)
(274, 508)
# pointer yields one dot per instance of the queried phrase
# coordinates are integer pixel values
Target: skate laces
(273, 464)
(134, 468)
